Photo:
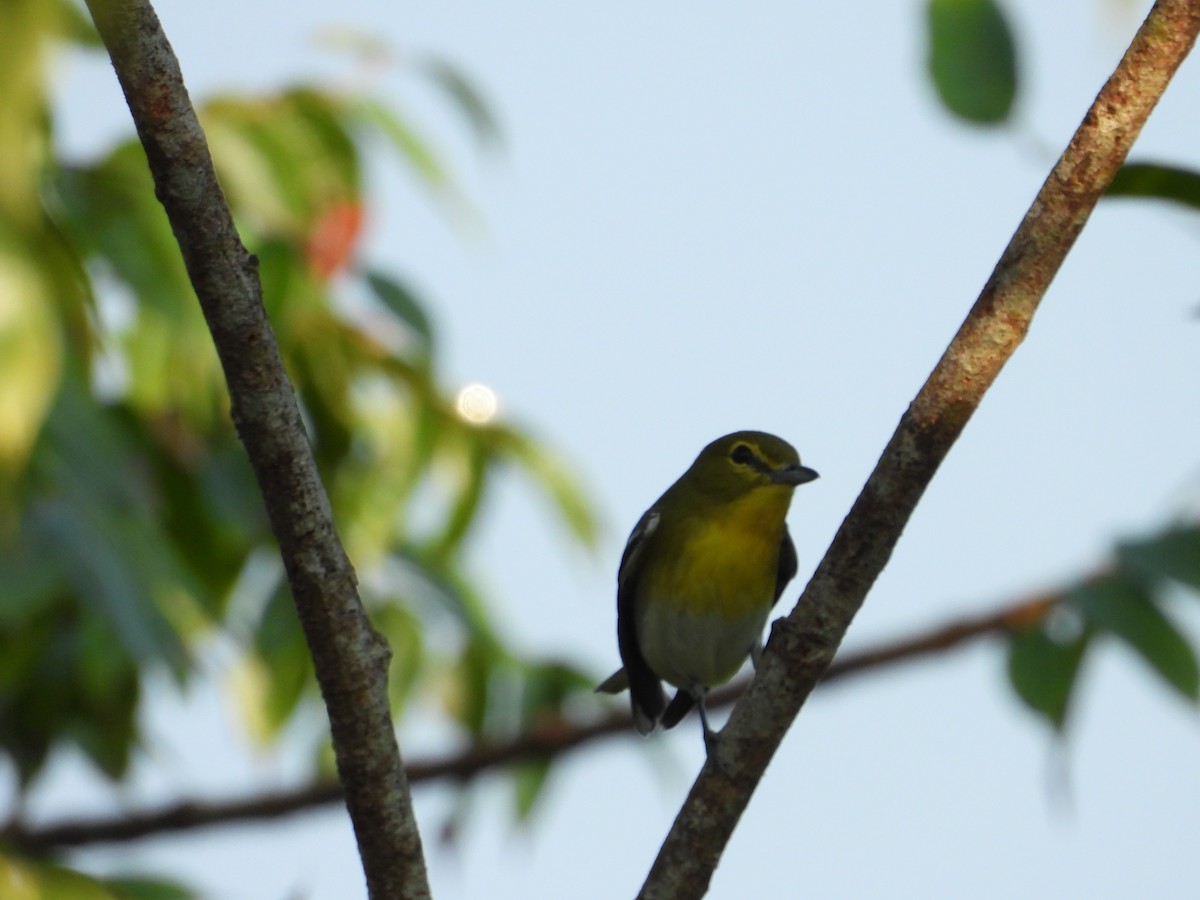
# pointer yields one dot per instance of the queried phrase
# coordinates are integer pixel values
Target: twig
(550, 740)
(803, 645)
(349, 657)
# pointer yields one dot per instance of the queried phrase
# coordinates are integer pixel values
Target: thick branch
(803, 645)
(547, 742)
(350, 657)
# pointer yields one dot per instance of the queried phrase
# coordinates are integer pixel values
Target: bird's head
(739, 463)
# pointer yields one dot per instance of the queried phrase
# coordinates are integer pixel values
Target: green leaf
(471, 477)
(401, 301)
(110, 209)
(27, 879)
(22, 879)
(528, 781)
(76, 25)
(1156, 180)
(30, 354)
(465, 95)
(100, 515)
(972, 59)
(558, 482)
(548, 687)
(403, 633)
(283, 160)
(1174, 553)
(410, 144)
(476, 670)
(284, 669)
(31, 577)
(446, 588)
(138, 888)
(1126, 610)
(1043, 670)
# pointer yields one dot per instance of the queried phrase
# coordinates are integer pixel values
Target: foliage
(972, 59)
(32, 880)
(1128, 603)
(132, 531)
(1160, 181)
(974, 65)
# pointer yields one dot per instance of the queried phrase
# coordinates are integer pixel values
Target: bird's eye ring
(741, 454)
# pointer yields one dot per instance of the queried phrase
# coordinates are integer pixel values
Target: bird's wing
(645, 689)
(645, 527)
(788, 564)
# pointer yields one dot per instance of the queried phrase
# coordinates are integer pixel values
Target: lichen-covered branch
(350, 658)
(803, 645)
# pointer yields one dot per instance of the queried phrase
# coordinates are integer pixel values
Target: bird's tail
(647, 703)
(615, 683)
(677, 709)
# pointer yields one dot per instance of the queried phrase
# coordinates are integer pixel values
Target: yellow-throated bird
(700, 573)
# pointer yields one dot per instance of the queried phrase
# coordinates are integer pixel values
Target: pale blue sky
(708, 218)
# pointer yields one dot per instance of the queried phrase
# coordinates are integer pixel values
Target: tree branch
(547, 742)
(350, 658)
(803, 644)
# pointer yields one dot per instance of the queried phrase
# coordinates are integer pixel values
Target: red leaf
(331, 243)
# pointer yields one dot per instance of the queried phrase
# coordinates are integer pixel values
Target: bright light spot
(477, 403)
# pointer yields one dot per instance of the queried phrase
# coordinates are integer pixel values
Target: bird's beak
(794, 475)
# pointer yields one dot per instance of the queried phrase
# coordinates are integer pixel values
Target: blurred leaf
(333, 239)
(470, 471)
(451, 591)
(33, 704)
(109, 212)
(403, 633)
(529, 780)
(213, 516)
(404, 139)
(400, 300)
(972, 59)
(548, 686)
(1175, 553)
(473, 703)
(322, 121)
(1043, 671)
(273, 682)
(30, 356)
(109, 208)
(102, 521)
(1159, 181)
(546, 689)
(27, 879)
(558, 482)
(24, 119)
(23, 879)
(466, 97)
(138, 888)
(76, 26)
(284, 160)
(1124, 609)
(31, 578)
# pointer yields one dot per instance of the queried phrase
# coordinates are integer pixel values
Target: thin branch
(349, 657)
(547, 742)
(803, 645)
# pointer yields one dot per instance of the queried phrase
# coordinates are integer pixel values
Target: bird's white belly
(692, 650)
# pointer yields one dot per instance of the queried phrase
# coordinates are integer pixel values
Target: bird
(700, 573)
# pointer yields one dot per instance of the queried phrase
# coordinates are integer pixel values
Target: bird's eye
(741, 454)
